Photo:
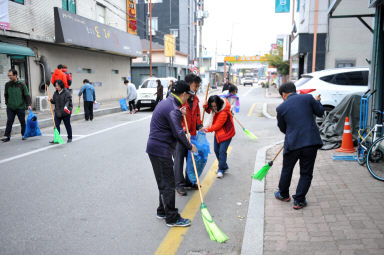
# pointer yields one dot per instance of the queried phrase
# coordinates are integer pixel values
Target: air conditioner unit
(42, 103)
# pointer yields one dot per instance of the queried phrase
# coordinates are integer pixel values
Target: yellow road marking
(175, 236)
(251, 110)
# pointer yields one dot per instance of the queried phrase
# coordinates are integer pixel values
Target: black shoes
(6, 139)
(181, 191)
(69, 140)
(299, 205)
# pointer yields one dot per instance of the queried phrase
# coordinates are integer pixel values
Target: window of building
(155, 25)
(69, 5)
(174, 32)
(345, 63)
(114, 71)
(18, 1)
(85, 70)
(100, 12)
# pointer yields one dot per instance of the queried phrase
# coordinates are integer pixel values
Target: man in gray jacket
(131, 96)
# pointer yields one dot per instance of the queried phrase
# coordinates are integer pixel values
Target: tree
(277, 62)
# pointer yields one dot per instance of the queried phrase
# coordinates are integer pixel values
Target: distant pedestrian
(170, 86)
(159, 92)
(226, 85)
(62, 100)
(165, 131)
(89, 98)
(68, 75)
(194, 123)
(222, 124)
(58, 74)
(17, 99)
(131, 96)
(302, 140)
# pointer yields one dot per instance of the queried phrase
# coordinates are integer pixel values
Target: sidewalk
(345, 213)
(45, 119)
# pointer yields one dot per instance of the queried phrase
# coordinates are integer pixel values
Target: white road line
(249, 91)
(75, 140)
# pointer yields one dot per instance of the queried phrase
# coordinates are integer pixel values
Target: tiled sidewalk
(345, 213)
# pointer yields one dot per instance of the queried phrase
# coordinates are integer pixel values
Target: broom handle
(193, 161)
(50, 106)
(277, 154)
(206, 97)
(238, 122)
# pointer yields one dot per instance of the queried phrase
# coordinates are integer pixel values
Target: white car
(247, 81)
(334, 84)
(146, 93)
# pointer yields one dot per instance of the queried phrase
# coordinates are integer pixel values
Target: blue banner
(282, 6)
(298, 6)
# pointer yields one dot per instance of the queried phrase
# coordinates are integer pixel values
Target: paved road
(98, 195)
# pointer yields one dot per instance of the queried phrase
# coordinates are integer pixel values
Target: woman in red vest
(222, 124)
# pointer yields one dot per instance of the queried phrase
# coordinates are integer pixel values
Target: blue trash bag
(201, 157)
(123, 105)
(32, 127)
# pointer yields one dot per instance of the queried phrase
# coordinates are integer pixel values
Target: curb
(253, 239)
(265, 112)
(48, 122)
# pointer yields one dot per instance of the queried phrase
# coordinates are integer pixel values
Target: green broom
(56, 135)
(214, 232)
(246, 131)
(78, 108)
(264, 170)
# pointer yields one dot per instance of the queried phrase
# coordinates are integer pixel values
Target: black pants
(179, 155)
(132, 105)
(11, 114)
(307, 157)
(67, 124)
(163, 169)
(88, 110)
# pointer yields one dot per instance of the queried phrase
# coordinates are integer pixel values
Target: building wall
(306, 18)
(349, 35)
(5, 65)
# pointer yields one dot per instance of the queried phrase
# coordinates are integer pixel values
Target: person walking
(159, 93)
(131, 96)
(17, 99)
(302, 140)
(224, 128)
(58, 74)
(62, 100)
(68, 75)
(165, 131)
(226, 85)
(170, 86)
(89, 98)
(194, 123)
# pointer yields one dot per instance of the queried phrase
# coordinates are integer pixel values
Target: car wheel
(327, 110)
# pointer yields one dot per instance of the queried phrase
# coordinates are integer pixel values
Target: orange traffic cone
(347, 143)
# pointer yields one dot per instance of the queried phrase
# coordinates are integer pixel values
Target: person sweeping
(302, 140)
(222, 124)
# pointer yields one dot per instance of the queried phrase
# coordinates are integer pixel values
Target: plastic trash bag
(32, 127)
(201, 157)
(123, 105)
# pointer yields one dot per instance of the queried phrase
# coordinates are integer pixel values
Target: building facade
(86, 35)
(175, 17)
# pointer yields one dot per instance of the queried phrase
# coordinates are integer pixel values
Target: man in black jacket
(302, 140)
(226, 85)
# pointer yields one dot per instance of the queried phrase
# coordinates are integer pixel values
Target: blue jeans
(221, 154)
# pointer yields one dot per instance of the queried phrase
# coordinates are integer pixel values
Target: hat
(181, 86)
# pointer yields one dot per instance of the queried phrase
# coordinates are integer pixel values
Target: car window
(357, 78)
(149, 84)
(302, 81)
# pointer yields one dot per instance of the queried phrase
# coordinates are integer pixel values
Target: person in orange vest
(58, 74)
(194, 123)
(68, 74)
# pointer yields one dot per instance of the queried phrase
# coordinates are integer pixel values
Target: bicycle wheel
(375, 159)
(361, 155)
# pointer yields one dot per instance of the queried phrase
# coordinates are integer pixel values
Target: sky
(255, 26)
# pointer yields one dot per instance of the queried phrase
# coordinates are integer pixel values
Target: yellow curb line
(251, 110)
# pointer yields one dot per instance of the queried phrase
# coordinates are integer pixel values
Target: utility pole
(150, 37)
(290, 43)
(315, 36)
(201, 23)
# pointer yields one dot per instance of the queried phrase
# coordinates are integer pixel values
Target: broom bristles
(214, 232)
(262, 172)
(250, 134)
(56, 137)
(77, 110)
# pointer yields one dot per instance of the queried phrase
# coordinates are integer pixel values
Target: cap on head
(181, 86)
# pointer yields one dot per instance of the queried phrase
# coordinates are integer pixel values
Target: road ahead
(98, 195)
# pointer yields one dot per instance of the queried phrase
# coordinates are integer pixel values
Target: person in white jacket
(131, 96)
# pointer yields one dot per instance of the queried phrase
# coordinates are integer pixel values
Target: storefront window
(69, 5)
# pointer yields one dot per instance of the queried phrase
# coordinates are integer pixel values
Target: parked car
(247, 81)
(333, 84)
(146, 93)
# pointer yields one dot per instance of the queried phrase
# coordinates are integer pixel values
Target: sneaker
(6, 139)
(130, 112)
(299, 205)
(220, 175)
(194, 187)
(181, 222)
(23, 138)
(51, 142)
(69, 140)
(181, 191)
(161, 216)
(281, 198)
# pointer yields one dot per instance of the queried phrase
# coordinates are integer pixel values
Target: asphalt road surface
(98, 195)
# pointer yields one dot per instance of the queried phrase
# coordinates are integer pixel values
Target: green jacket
(16, 95)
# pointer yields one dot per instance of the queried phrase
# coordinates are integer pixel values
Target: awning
(13, 49)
